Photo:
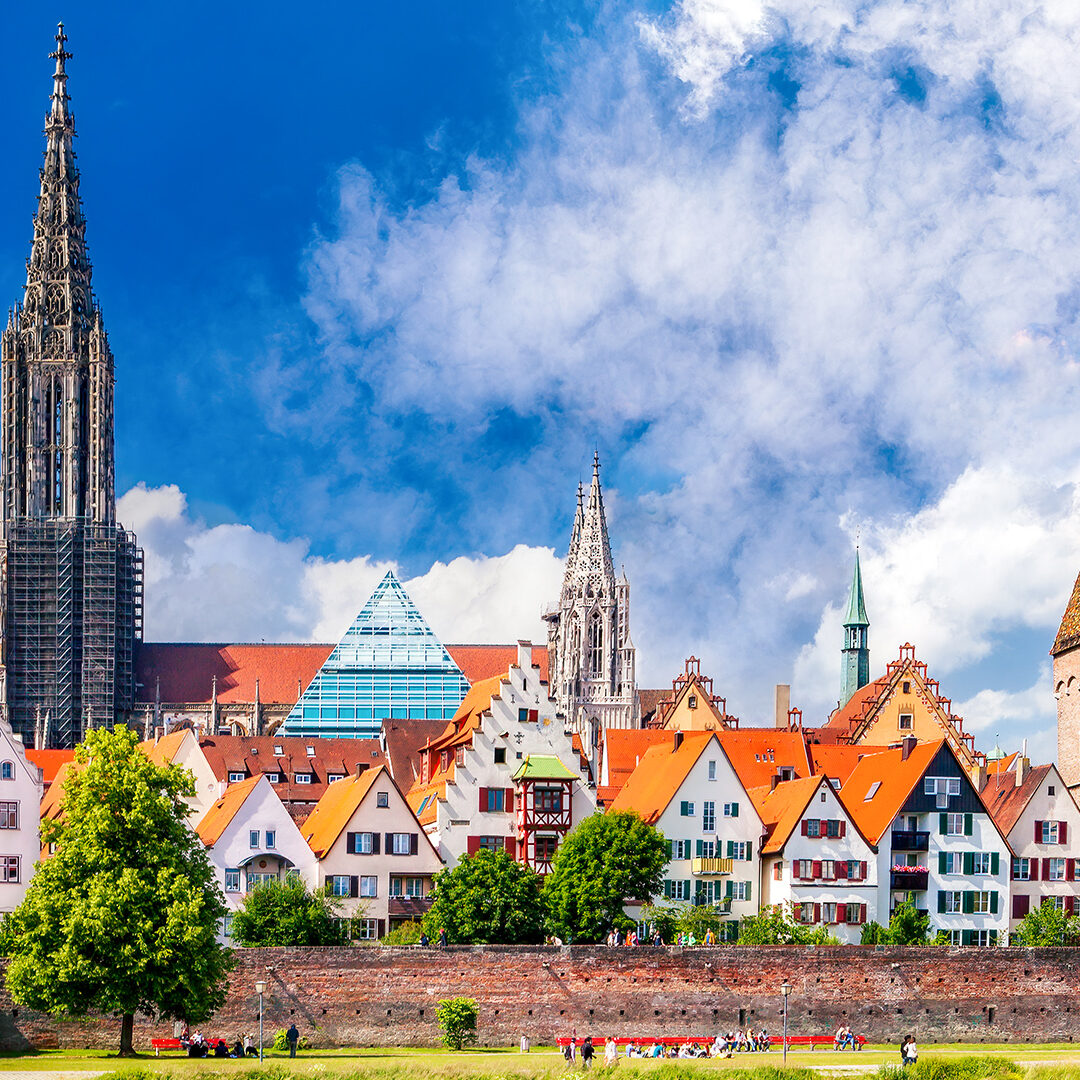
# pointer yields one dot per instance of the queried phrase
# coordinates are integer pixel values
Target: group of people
(654, 937)
(198, 1046)
(631, 938)
(909, 1052)
(722, 1046)
(845, 1039)
(588, 1051)
(425, 941)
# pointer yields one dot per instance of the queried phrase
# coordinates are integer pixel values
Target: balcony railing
(413, 906)
(710, 867)
(910, 840)
(914, 880)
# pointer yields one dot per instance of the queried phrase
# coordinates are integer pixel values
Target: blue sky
(379, 280)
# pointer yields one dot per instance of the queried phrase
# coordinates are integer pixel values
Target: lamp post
(260, 989)
(785, 990)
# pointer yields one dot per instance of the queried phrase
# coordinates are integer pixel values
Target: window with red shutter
(1021, 905)
(1038, 832)
(511, 846)
(843, 829)
(1063, 831)
(483, 799)
(862, 911)
(508, 805)
(1046, 870)
(472, 845)
(815, 871)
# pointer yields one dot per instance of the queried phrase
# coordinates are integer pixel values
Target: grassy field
(956, 1062)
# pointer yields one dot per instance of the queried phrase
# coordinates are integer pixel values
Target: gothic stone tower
(590, 654)
(1066, 659)
(70, 577)
(855, 669)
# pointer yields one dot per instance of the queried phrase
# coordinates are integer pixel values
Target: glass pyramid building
(388, 666)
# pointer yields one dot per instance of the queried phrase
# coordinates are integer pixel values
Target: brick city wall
(382, 996)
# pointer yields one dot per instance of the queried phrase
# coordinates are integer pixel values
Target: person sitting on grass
(238, 1048)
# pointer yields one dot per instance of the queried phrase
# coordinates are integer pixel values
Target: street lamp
(260, 989)
(785, 989)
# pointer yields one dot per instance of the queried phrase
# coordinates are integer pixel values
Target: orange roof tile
(782, 807)
(837, 761)
(624, 749)
(1002, 765)
(1068, 633)
(757, 754)
(49, 762)
(326, 822)
(185, 671)
(896, 777)
(662, 771)
(162, 751)
(217, 819)
(54, 795)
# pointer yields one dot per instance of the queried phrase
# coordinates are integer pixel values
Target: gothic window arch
(594, 645)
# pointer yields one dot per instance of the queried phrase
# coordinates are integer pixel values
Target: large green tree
(1047, 925)
(287, 913)
(123, 917)
(606, 861)
(487, 898)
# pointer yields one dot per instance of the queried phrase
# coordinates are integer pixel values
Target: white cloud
(233, 583)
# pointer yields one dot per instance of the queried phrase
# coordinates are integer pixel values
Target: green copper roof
(543, 767)
(856, 612)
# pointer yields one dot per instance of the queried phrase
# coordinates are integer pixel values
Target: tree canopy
(907, 926)
(1047, 925)
(288, 913)
(487, 898)
(123, 917)
(606, 861)
(775, 925)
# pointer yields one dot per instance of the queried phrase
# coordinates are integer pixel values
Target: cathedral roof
(1068, 634)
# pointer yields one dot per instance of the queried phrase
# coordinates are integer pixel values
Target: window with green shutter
(943, 824)
(995, 863)
(969, 824)
(993, 903)
(969, 863)
(697, 848)
(969, 902)
(941, 903)
(942, 867)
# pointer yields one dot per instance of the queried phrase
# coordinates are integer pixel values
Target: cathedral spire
(855, 669)
(58, 302)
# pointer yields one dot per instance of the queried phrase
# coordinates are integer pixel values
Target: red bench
(176, 1044)
(777, 1042)
(814, 1041)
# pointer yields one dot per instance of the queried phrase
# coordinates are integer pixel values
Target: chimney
(677, 741)
(524, 656)
(361, 766)
(1023, 769)
(783, 703)
(907, 744)
(978, 775)
(159, 733)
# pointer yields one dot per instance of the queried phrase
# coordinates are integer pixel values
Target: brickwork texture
(388, 997)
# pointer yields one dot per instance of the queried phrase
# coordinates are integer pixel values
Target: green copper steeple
(855, 670)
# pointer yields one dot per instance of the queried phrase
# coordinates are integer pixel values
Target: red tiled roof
(1068, 633)
(217, 819)
(186, 670)
(758, 754)
(49, 762)
(623, 751)
(781, 808)
(1006, 801)
(661, 773)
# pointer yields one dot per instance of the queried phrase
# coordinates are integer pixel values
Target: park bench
(176, 1044)
(814, 1041)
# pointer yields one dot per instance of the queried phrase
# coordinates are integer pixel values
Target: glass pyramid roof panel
(388, 666)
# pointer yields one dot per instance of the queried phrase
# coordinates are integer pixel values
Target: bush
(281, 1043)
(965, 1068)
(408, 933)
(457, 1021)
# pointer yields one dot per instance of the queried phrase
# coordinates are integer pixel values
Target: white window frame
(253, 839)
(980, 863)
(366, 929)
(1056, 869)
(980, 903)
(396, 840)
(382, 799)
(712, 769)
(708, 817)
(954, 902)
(302, 778)
(954, 824)
(237, 777)
(232, 879)
(1021, 869)
(340, 885)
(369, 886)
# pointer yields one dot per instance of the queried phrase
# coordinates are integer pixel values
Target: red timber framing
(544, 816)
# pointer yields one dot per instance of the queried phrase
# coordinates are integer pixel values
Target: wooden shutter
(728, 888)
(805, 827)
(472, 845)
(969, 903)
(816, 869)
(510, 845)
(841, 868)
(817, 913)
(777, 870)
(380, 927)
(686, 890)
(698, 848)
(1046, 869)
(1070, 905)
(862, 913)
(969, 824)
(731, 849)
(941, 862)
(993, 903)
(841, 913)
(749, 850)
(843, 828)
(967, 937)
(667, 887)
(734, 809)
(1021, 905)
(684, 808)
(1033, 869)
(969, 863)
(354, 886)
(670, 850)
(943, 824)
(941, 902)
(1070, 870)
(995, 863)
(414, 843)
(749, 889)
(1038, 832)
(375, 846)
(1063, 831)
(350, 843)
(534, 715)
(483, 799)
(508, 796)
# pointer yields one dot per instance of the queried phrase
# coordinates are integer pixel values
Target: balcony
(411, 907)
(910, 840)
(710, 867)
(913, 879)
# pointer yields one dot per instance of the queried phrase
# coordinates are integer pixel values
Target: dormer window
(236, 777)
(302, 777)
(311, 751)
(279, 751)
(334, 776)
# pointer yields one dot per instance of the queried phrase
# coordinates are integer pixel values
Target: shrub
(281, 1043)
(408, 933)
(457, 1021)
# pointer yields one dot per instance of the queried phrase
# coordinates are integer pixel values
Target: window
(680, 890)
(412, 887)
(803, 913)
(236, 777)
(9, 867)
(856, 871)
(828, 913)
(226, 926)
(382, 799)
(907, 688)
(496, 799)
(1021, 869)
(813, 827)
(828, 871)
(804, 869)
(363, 843)
(731, 809)
(686, 809)
(459, 756)
(708, 849)
(1056, 870)
(302, 778)
(853, 913)
(692, 701)
(339, 885)
(333, 777)
(739, 849)
(956, 937)
(953, 903)
(983, 938)
(1048, 832)
(549, 800)
(873, 791)
(278, 751)
(275, 778)
(500, 755)
(980, 863)
(708, 817)
(545, 847)
(832, 828)
(366, 929)
(9, 815)
(255, 881)
(7, 771)
(907, 721)
(954, 824)
(822, 797)
(680, 849)
(1058, 902)
(271, 837)
(523, 716)
(369, 885)
(400, 843)
(712, 770)
(740, 890)
(311, 751)
(232, 880)
(253, 838)
(484, 843)
(980, 902)
(1051, 790)
(943, 787)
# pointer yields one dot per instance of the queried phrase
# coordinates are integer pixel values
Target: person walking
(587, 1052)
(611, 1051)
(292, 1037)
(912, 1054)
(443, 939)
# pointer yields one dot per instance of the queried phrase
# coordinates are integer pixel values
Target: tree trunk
(127, 1030)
